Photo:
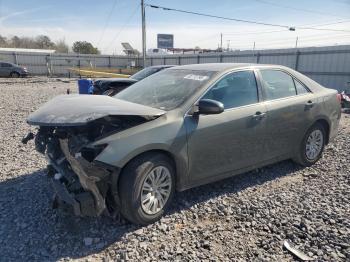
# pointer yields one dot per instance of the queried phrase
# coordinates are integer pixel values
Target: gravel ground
(243, 218)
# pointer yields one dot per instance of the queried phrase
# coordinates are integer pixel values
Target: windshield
(167, 89)
(144, 73)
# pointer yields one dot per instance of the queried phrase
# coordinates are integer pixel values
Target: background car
(12, 70)
(180, 128)
(112, 86)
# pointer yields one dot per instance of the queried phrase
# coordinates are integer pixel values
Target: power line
(219, 17)
(323, 29)
(291, 28)
(107, 22)
(123, 26)
(278, 31)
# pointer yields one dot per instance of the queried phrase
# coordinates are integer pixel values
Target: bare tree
(61, 46)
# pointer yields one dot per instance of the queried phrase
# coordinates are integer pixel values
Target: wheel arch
(14, 72)
(178, 164)
(326, 125)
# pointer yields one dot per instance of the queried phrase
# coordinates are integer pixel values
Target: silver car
(180, 128)
(12, 70)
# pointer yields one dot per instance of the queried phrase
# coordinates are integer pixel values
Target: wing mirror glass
(209, 107)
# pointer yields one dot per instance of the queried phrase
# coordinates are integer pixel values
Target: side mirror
(209, 107)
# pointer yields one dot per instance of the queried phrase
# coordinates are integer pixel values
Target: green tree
(83, 47)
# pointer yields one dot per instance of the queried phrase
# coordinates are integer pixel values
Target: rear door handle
(259, 115)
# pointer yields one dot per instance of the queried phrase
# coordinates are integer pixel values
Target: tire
(304, 155)
(15, 75)
(135, 178)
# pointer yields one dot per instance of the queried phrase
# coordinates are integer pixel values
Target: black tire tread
(300, 158)
(131, 178)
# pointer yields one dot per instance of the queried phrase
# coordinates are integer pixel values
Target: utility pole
(143, 33)
(296, 43)
(221, 42)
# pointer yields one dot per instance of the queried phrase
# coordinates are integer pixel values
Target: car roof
(7, 62)
(219, 67)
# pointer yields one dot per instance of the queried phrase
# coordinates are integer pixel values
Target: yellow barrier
(92, 73)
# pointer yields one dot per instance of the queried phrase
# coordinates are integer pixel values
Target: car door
(2, 69)
(233, 139)
(6, 69)
(289, 109)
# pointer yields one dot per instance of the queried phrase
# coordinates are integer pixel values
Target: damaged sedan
(180, 128)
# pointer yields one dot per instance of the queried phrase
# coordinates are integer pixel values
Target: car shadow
(31, 229)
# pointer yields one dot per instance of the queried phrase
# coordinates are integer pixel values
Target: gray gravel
(243, 218)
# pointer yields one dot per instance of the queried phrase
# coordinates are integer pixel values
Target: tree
(15, 42)
(83, 47)
(44, 42)
(3, 41)
(61, 46)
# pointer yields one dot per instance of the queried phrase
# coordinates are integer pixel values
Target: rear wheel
(15, 75)
(146, 188)
(312, 145)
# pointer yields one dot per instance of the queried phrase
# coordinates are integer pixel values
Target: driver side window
(234, 90)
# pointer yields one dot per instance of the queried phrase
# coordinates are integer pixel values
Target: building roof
(26, 50)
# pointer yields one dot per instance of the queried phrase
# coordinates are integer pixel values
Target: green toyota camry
(180, 128)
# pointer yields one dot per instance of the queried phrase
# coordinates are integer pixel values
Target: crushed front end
(68, 127)
(86, 185)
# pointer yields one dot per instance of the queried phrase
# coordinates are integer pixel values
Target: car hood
(74, 110)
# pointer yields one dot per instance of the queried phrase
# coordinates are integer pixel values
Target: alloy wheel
(314, 144)
(156, 190)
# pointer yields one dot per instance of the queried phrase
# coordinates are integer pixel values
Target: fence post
(198, 59)
(258, 58)
(221, 58)
(297, 53)
(109, 62)
(151, 61)
(179, 60)
(15, 57)
(164, 60)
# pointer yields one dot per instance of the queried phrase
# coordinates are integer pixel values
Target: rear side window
(277, 84)
(301, 89)
(5, 65)
(234, 90)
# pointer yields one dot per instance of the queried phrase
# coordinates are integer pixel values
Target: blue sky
(88, 20)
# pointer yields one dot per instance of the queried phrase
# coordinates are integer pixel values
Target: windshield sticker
(196, 77)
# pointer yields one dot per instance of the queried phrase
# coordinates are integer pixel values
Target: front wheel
(15, 75)
(312, 146)
(146, 187)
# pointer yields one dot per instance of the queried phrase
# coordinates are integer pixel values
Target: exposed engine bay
(85, 184)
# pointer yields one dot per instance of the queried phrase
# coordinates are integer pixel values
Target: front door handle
(259, 115)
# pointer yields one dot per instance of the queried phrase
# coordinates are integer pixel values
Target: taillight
(339, 98)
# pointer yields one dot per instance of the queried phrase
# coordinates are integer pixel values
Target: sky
(107, 23)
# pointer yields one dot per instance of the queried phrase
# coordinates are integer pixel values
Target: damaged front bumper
(86, 185)
(81, 184)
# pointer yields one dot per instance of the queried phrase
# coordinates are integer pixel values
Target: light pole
(143, 33)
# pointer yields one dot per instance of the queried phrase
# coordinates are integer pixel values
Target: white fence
(329, 66)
